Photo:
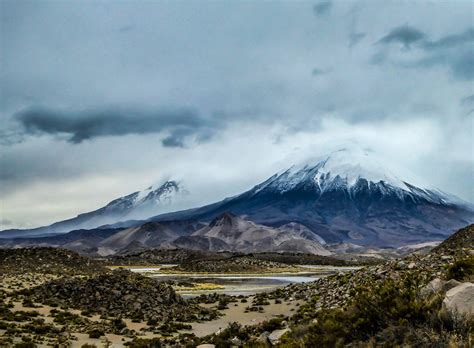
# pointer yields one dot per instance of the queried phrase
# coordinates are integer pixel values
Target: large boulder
(459, 301)
(437, 286)
(450, 284)
(433, 287)
(276, 335)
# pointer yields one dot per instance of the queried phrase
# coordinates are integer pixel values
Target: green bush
(272, 324)
(25, 345)
(462, 270)
(95, 333)
(388, 305)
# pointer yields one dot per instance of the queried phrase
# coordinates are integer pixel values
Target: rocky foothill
(163, 256)
(244, 264)
(119, 294)
(47, 261)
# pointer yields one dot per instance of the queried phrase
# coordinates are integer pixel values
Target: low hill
(244, 264)
(116, 294)
(234, 233)
(163, 256)
(47, 261)
(459, 241)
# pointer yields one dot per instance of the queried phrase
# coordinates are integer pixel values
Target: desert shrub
(40, 328)
(118, 323)
(25, 345)
(86, 313)
(152, 322)
(144, 343)
(223, 304)
(390, 306)
(232, 330)
(272, 324)
(462, 270)
(95, 333)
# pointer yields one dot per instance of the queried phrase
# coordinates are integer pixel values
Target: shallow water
(242, 284)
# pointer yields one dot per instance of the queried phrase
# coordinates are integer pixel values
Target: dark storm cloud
(451, 40)
(405, 35)
(460, 64)
(469, 100)
(88, 124)
(468, 104)
(322, 8)
(320, 72)
(454, 52)
(355, 38)
(355, 35)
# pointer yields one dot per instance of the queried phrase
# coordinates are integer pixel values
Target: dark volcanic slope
(230, 232)
(151, 234)
(334, 200)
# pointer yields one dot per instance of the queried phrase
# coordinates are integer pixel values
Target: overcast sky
(103, 98)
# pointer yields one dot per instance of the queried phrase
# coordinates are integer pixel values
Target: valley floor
(422, 300)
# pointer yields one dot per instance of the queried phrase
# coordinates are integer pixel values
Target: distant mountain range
(227, 232)
(135, 206)
(348, 196)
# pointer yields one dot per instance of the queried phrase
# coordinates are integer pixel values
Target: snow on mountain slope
(139, 205)
(351, 170)
(143, 204)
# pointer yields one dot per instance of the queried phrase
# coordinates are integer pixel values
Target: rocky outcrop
(438, 285)
(459, 301)
(461, 240)
(47, 261)
(235, 264)
(275, 336)
(118, 294)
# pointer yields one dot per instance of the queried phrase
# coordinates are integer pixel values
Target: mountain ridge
(347, 197)
(138, 205)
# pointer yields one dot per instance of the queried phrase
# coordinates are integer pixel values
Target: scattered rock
(120, 294)
(433, 287)
(236, 342)
(452, 283)
(276, 335)
(263, 338)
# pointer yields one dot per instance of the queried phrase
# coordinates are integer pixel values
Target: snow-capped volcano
(139, 205)
(343, 167)
(143, 204)
(348, 195)
(353, 171)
